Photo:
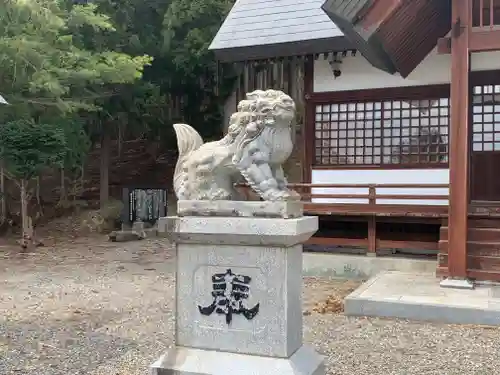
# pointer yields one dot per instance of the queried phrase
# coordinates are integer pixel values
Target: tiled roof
(264, 22)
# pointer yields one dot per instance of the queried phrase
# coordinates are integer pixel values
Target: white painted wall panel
(359, 74)
(393, 176)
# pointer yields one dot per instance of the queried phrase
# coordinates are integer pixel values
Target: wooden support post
(372, 235)
(372, 226)
(308, 127)
(372, 197)
(459, 148)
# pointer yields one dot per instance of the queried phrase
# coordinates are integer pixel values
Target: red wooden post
(372, 222)
(459, 129)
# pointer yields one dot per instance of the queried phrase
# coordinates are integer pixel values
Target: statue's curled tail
(188, 141)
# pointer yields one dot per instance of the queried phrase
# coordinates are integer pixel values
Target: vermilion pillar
(459, 138)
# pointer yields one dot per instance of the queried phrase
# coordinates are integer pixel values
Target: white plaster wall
(359, 74)
(394, 176)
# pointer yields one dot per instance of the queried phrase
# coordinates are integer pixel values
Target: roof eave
(283, 50)
(371, 49)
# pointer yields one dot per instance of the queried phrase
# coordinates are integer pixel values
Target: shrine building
(397, 141)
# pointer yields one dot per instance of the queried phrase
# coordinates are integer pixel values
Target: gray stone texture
(238, 230)
(277, 328)
(257, 209)
(269, 251)
(187, 361)
(253, 149)
(326, 264)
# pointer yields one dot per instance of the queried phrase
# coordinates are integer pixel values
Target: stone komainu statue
(258, 142)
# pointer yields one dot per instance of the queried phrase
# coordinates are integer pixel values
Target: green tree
(44, 70)
(139, 106)
(78, 146)
(60, 60)
(189, 27)
(179, 85)
(183, 82)
(47, 71)
(49, 77)
(26, 149)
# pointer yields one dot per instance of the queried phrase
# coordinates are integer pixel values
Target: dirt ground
(88, 306)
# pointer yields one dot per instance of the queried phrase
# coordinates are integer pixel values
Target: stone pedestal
(239, 281)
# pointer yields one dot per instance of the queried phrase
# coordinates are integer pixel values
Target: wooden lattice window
(486, 118)
(392, 132)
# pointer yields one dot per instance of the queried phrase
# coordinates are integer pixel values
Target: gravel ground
(96, 308)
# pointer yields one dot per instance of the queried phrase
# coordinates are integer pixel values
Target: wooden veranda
(392, 37)
(473, 29)
(396, 36)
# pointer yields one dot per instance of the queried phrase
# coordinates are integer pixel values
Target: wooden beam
(395, 244)
(479, 41)
(459, 137)
(444, 46)
(337, 241)
(377, 13)
(484, 40)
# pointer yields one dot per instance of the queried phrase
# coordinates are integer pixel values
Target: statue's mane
(254, 113)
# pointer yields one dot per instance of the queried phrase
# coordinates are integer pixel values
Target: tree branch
(9, 176)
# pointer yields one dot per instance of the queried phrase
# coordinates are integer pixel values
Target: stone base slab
(457, 283)
(420, 297)
(188, 361)
(255, 209)
(238, 230)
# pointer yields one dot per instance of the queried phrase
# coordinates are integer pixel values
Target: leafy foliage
(27, 148)
(45, 71)
(180, 84)
(77, 143)
(108, 67)
(188, 29)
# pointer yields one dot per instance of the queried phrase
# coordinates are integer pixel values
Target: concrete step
(420, 297)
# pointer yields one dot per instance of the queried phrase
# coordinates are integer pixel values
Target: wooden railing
(485, 14)
(372, 197)
(483, 22)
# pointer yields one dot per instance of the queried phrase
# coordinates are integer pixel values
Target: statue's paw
(294, 196)
(272, 195)
(290, 195)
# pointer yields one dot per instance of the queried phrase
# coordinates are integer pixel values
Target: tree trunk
(79, 186)
(64, 194)
(27, 227)
(105, 156)
(120, 130)
(3, 198)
